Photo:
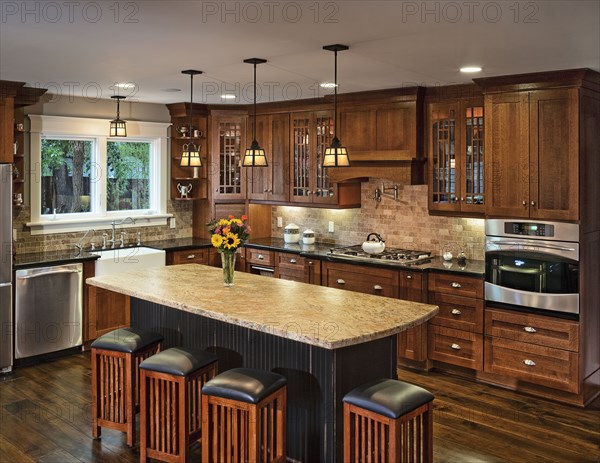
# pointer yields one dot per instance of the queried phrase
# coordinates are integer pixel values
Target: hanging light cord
(118, 107)
(254, 102)
(191, 104)
(335, 96)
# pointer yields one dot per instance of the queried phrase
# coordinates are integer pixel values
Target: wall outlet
(279, 222)
(331, 227)
(173, 223)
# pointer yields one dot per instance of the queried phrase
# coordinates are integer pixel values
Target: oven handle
(530, 271)
(522, 243)
(263, 269)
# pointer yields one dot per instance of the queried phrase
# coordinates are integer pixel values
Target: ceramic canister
(291, 233)
(308, 237)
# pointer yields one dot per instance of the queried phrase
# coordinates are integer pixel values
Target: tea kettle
(374, 244)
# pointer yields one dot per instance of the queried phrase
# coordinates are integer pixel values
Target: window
(81, 178)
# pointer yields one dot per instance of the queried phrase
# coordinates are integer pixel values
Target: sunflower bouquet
(229, 234)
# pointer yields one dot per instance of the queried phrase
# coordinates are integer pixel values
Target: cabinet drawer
(533, 329)
(291, 261)
(363, 279)
(536, 364)
(458, 285)
(260, 256)
(190, 256)
(457, 347)
(461, 313)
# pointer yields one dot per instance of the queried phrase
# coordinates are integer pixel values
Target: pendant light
(190, 157)
(255, 155)
(118, 127)
(336, 155)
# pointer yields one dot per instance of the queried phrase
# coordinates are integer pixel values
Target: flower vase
(228, 263)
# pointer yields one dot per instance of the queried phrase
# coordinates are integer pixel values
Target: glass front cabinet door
(228, 144)
(456, 163)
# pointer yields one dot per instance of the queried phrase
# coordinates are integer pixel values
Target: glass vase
(228, 263)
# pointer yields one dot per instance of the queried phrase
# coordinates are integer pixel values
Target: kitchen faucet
(113, 240)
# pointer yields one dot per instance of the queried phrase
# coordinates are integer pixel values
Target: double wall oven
(533, 266)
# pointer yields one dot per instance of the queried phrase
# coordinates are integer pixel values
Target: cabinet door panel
(279, 166)
(300, 157)
(258, 178)
(396, 128)
(472, 189)
(228, 143)
(554, 153)
(358, 129)
(507, 146)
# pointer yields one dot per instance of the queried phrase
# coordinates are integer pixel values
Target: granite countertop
(325, 317)
(278, 244)
(178, 244)
(52, 257)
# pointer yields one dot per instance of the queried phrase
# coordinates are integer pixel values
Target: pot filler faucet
(112, 241)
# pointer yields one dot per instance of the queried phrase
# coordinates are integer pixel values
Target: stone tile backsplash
(404, 223)
(27, 243)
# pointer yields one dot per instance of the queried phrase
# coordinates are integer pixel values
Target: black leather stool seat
(388, 397)
(178, 361)
(127, 340)
(244, 385)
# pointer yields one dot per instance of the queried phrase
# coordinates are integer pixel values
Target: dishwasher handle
(27, 277)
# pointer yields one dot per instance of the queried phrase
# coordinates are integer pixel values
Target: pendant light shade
(118, 127)
(190, 156)
(336, 155)
(255, 155)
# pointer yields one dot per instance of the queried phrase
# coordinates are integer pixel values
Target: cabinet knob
(293, 261)
(341, 282)
(409, 277)
(454, 284)
(456, 312)
(377, 288)
(260, 257)
(191, 256)
(524, 203)
(529, 363)
(533, 203)
(530, 329)
(454, 346)
(310, 262)
(462, 199)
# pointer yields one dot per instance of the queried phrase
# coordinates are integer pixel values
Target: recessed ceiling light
(328, 85)
(171, 90)
(126, 85)
(470, 69)
(228, 96)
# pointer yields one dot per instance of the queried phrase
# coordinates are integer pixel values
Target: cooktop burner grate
(404, 256)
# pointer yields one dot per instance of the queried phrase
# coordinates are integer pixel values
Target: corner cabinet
(311, 133)
(228, 139)
(184, 177)
(271, 183)
(532, 139)
(455, 142)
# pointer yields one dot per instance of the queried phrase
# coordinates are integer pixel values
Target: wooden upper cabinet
(271, 183)
(382, 132)
(228, 139)
(532, 140)
(6, 130)
(507, 146)
(455, 132)
(554, 154)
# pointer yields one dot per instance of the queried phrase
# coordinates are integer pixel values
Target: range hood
(409, 172)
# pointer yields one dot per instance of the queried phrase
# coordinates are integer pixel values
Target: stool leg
(428, 438)
(253, 437)
(96, 430)
(129, 399)
(347, 435)
(183, 420)
(281, 425)
(206, 416)
(143, 417)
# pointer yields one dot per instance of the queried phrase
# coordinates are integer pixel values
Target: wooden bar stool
(388, 421)
(170, 402)
(115, 374)
(244, 417)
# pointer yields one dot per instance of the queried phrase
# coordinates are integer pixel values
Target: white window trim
(59, 126)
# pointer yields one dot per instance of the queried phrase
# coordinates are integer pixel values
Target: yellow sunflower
(216, 240)
(223, 222)
(231, 241)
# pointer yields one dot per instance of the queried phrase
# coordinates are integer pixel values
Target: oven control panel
(529, 229)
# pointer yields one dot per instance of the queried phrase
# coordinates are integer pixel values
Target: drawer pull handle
(409, 277)
(341, 282)
(455, 346)
(529, 363)
(456, 312)
(310, 262)
(454, 284)
(530, 329)
(191, 256)
(377, 288)
(260, 257)
(293, 261)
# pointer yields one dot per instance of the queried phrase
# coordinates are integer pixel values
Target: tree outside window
(128, 179)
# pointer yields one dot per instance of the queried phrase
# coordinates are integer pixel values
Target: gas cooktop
(393, 255)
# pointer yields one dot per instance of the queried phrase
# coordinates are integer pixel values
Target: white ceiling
(83, 48)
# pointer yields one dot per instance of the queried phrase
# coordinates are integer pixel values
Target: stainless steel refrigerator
(6, 291)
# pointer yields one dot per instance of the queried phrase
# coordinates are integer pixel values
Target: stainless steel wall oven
(532, 265)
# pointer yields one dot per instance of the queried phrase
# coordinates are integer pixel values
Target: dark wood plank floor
(45, 417)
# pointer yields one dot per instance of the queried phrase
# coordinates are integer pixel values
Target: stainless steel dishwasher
(48, 309)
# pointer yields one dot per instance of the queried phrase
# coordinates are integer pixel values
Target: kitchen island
(325, 341)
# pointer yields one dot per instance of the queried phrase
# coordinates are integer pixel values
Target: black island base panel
(317, 378)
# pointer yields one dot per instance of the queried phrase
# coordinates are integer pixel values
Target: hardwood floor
(45, 417)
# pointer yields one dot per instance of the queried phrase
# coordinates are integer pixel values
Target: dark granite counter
(54, 257)
(317, 250)
(178, 244)
(474, 268)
